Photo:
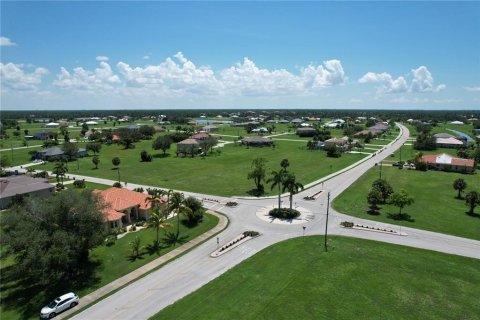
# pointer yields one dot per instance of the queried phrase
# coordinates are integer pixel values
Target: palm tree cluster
(176, 203)
(284, 181)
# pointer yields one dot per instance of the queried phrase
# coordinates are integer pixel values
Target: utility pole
(401, 153)
(326, 222)
(303, 236)
(380, 170)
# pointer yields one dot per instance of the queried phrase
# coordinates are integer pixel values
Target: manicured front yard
(224, 174)
(23, 301)
(435, 207)
(356, 279)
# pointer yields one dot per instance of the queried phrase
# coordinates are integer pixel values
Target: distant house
(188, 147)
(116, 138)
(91, 123)
(23, 185)
(133, 127)
(306, 132)
(41, 135)
(257, 141)
(210, 128)
(200, 136)
(123, 206)
(53, 152)
(52, 125)
(457, 123)
(446, 162)
(341, 143)
(283, 121)
(296, 121)
(443, 135)
(448, 143)
(260, 130)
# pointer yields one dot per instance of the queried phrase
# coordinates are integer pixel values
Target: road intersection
(145, 297)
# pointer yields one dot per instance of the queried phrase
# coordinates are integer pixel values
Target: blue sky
(111, 55)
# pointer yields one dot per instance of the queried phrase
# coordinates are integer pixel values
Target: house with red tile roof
(200, 136)
(123, 206)
(446, 162)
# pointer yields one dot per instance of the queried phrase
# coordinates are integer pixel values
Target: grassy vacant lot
(108, 263)
(435, 207)
(356, 279)
(224, 174)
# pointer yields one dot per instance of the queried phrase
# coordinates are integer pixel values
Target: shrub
(117, 185)
(251, 233)
(79, 184)
(347, 224)
(133, 228)
(140, 223)
(145, 156)
(139, 189)
(231, 204)
(111, 239)
(284, 213)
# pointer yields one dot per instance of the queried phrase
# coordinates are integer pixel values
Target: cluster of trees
(425, 139)
(50, 239)
(472, 198)
(382, 192)
(281, 179)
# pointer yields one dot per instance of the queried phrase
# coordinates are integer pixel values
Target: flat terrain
(435, 208)
(108, 263)
(224, 174)
(356, 279)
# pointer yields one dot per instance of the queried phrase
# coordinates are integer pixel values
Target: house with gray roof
(257, 141)
(22, 185)
(53, 152)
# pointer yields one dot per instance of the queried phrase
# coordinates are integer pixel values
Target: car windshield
(52, 304)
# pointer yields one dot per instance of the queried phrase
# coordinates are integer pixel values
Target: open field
(356, 279)
(224, 174)
(108, 263)
(435, 207)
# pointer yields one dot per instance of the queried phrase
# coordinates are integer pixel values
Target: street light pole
(380, 170)
(326, 222)
(303, 236)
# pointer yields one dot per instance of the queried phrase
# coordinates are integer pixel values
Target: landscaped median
(355, 279)
(113, 267)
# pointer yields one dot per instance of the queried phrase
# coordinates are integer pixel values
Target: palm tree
(178, 206)
(459, 185)
(157, 220)
(291, 185)
(284, 164)
(472, 199)
(277, 180)
(59, 170)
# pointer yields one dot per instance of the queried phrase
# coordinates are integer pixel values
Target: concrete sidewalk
(132, 276)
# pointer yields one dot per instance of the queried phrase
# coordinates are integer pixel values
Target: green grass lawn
(225, 174)
(110, 263)
(435, 207)
(356, 279)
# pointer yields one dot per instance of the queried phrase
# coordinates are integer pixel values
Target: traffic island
(235, 242)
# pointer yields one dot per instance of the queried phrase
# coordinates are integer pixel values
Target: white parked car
(59, 305)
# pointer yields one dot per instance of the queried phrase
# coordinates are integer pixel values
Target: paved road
(147, 296)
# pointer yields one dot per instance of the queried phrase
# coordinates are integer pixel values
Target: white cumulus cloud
(80, 79)
(13, 76)
(472, 89)
(386, 83)
(179, 76)
(6, 42)
(422, 81)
